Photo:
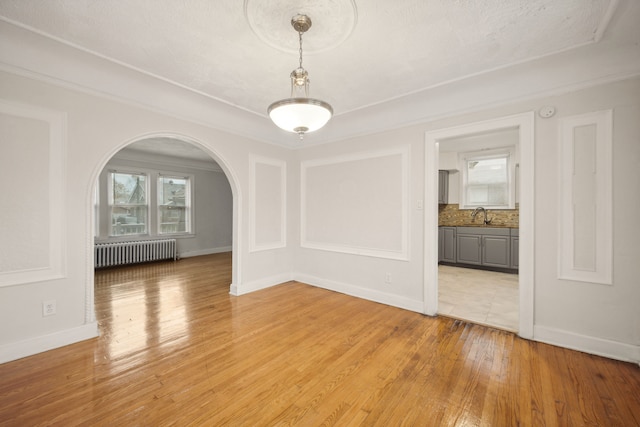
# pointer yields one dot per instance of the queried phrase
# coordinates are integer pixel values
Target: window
(128, 203)
(174, 204)
(488, 179)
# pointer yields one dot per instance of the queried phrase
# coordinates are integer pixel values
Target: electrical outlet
(387, 278)
(48, 308)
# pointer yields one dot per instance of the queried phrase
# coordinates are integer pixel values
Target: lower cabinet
(447, 244)
(496, 251)
(490, 247)
(469, 249)
(515, 251)
(481, 246)
(440, 246)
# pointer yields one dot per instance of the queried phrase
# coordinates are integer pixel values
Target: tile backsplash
(451, 216)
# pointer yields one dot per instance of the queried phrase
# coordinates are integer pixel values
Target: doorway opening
(478, 228)
(179, 176)
(522, 126)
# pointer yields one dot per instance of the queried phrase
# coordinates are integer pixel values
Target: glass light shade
(300, 115)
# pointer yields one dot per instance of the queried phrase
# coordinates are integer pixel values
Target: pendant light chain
(303, 79)
(300, 50)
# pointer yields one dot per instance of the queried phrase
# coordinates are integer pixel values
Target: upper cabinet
(443, 187)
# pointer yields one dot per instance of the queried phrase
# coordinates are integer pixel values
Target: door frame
(524, 122)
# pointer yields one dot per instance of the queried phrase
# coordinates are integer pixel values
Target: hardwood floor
(177, 349)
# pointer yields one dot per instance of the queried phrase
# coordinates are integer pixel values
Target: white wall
(94, 129)
(388, 268)
(578, 313)
(367, 174)
(212, 200)
(592, 317)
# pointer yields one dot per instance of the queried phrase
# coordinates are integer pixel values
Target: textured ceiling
(170, 147)
(359, 53)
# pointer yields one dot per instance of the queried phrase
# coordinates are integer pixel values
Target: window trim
(510, 154)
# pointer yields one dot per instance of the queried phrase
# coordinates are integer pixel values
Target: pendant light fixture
(300, 114)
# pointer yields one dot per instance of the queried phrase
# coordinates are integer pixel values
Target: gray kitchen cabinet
(469, 249)
(443, 187)
(490, 247)
(496, 251)
(515, 251)
(447, 244)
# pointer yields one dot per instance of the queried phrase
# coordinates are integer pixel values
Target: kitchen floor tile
(486, 297)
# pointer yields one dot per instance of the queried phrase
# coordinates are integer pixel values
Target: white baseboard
(205, 252)
(18, 350)
(587, 344)
(256, 285)
(359, 292)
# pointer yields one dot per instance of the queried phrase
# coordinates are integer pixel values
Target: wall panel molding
(268, 204)
(357, 204)
(34, 143)
(586, 213)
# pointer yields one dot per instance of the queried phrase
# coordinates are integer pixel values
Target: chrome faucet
(484, 211)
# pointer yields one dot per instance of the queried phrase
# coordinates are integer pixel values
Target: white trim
(18, 350)
(152, 175)
(254, 246)
(263, 283)
(148, 187)
(360, 292)
(509, 153)
(525, 124)
(237, 248)
(189, 203)
(403, 253)
(80, 70)
(22, 49)
(201, 252)
(56, 263)
(602, 270)
(587, 344)
(357, 250)
(604, 22)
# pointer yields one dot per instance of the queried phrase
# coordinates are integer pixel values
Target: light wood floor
(177, 349)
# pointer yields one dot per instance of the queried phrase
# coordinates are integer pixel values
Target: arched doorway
(182, 143)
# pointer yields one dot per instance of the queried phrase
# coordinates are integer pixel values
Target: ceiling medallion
(334, 20)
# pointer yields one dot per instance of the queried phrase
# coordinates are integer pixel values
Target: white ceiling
(359, 54)
(169, 147)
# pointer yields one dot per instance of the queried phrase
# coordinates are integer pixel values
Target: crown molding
(34, 55)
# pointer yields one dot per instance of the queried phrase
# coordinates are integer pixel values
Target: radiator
(121, 253)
